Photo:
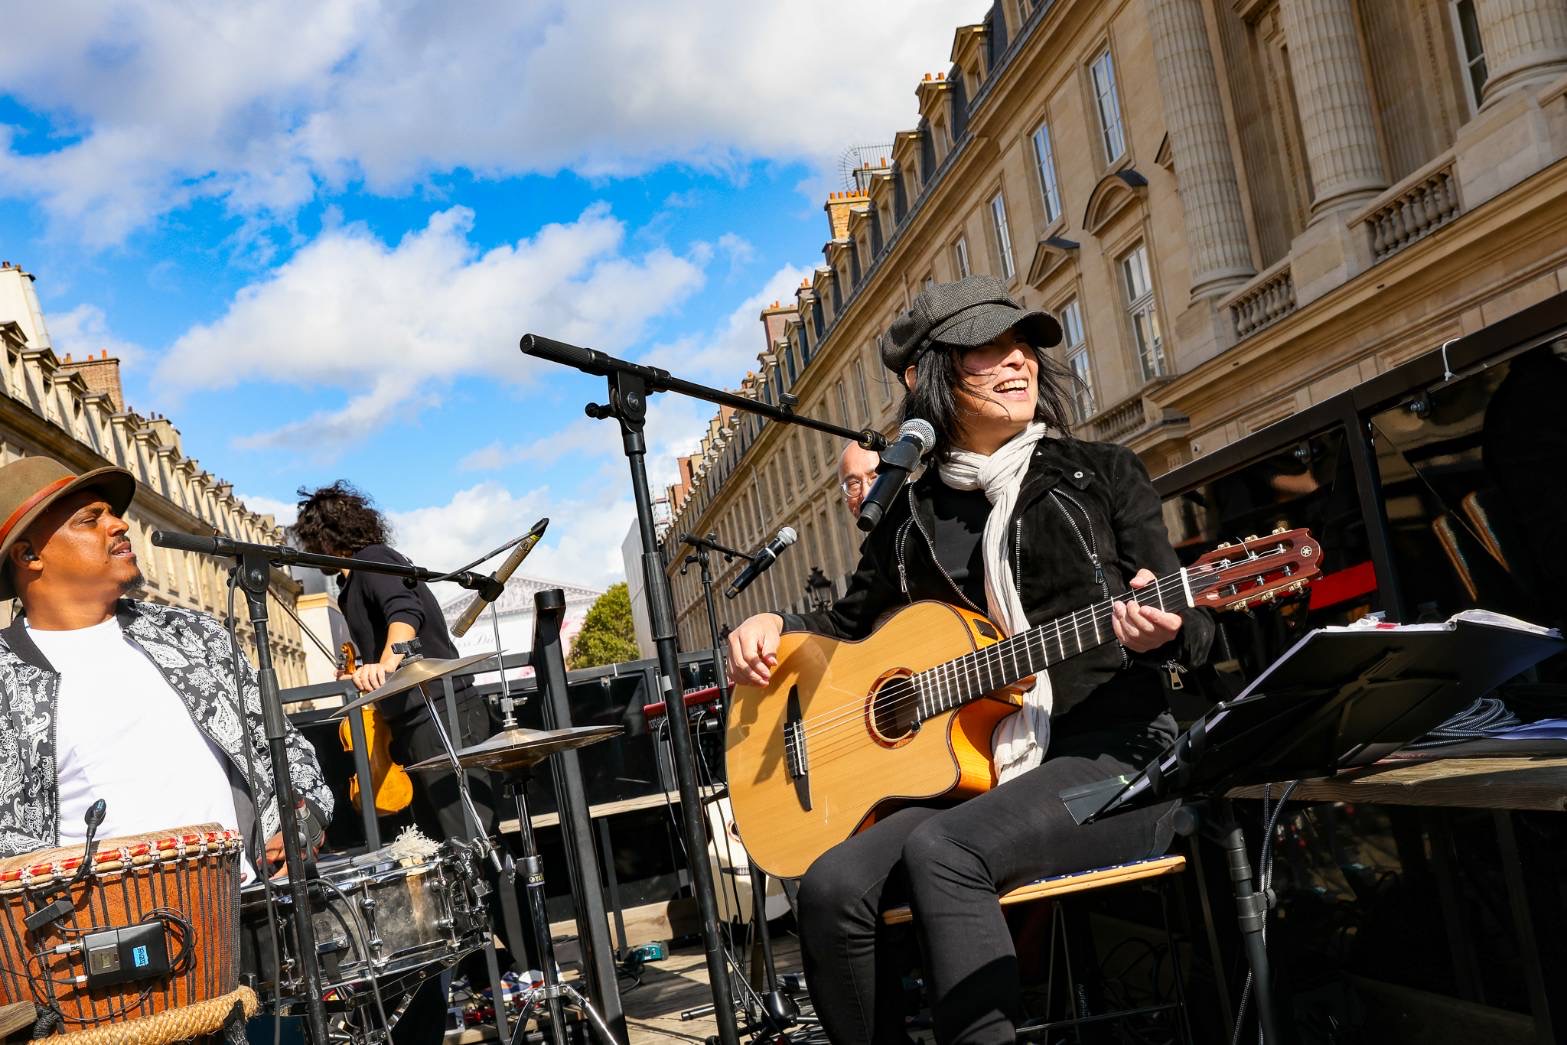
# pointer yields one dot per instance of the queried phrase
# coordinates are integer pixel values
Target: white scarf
(1020, 739)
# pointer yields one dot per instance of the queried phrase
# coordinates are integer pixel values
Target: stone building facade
(74, 411)
(1235, 207)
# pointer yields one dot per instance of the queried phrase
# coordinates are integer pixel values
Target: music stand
(1339, 699)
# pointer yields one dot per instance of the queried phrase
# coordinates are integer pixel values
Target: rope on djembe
(172, 1025)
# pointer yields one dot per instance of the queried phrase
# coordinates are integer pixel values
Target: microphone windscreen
(921, 431)
(787, 535)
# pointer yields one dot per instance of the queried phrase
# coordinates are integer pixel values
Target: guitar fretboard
(958, 681)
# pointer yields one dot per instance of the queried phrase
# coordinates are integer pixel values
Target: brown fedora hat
(30, 485)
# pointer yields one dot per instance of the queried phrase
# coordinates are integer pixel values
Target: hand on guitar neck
(753, 646)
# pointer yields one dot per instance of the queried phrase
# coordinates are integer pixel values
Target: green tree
(607, 635)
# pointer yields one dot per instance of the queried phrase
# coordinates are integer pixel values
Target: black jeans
(949, 864)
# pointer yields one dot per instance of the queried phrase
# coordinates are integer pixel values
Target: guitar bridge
(796, 760)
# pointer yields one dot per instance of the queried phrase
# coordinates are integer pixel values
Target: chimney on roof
(102, 374)
(838, 206)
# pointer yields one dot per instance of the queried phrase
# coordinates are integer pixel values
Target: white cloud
(84, 331)
(284, 512)
(724, 354)
(156, 104)
(582, 545)
(422, 312)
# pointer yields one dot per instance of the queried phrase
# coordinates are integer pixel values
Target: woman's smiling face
(998, 393)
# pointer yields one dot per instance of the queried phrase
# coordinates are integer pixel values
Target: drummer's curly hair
(338, 520)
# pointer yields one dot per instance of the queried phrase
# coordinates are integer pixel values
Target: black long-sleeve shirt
(371, 602)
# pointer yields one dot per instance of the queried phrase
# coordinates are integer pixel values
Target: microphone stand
(777, 1010)
(253, 563)
(629, 386)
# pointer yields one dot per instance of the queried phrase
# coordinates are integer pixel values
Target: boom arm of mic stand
(591, 361)
(708, 544)
(283, 555)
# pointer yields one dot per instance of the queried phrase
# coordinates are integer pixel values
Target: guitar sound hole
(894, 710)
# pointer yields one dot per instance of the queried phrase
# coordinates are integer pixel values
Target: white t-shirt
(124, 735)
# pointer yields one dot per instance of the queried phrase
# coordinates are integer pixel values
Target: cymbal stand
(774, 1010)
(481, 835)
(532, 868)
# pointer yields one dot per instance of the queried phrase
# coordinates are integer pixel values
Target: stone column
(1525, 43)
(1334, 102)
(1215, 223)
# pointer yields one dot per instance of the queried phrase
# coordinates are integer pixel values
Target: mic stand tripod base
(531, 866)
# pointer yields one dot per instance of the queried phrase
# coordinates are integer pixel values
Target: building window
(1077, 361)
(1108, 104)
(1471, 49)
(794, 372)
(1044, 156)
(998, 215)
(865, 399)
(843, 406)
(960, 257)
(1142, 311)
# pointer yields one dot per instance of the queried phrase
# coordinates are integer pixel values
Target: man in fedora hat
(103, 696)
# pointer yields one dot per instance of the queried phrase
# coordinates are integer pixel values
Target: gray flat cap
(969, 313)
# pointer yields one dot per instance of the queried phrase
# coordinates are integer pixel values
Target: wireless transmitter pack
(125, 955)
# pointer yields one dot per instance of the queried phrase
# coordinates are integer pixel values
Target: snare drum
(375, 917)
(186, 878)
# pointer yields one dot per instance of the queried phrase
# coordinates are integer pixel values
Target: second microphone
(761, 561)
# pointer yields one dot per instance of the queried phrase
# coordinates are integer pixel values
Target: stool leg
(1175, 964)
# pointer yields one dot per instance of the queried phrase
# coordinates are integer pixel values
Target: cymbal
(416, 673)
(519, 748)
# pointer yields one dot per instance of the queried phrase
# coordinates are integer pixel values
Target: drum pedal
(136, 952)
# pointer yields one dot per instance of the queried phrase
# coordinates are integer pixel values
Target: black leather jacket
(1055, 558)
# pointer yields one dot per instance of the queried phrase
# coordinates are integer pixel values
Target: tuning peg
(1250, 538)
(1269, 596)
(1225, 544)
(1280, 530)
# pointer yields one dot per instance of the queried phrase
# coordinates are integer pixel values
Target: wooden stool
(1065, 885)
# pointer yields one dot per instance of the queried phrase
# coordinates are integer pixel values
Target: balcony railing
(1264, 301)
(1412, 209)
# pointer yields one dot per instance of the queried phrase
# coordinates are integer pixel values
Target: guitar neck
(971, 676)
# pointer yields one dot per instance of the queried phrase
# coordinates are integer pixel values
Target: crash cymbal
(415, 673)
(518, 748)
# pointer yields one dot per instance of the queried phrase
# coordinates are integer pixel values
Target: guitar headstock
(1258, 569)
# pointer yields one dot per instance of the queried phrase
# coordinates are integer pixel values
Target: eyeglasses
(854, 487)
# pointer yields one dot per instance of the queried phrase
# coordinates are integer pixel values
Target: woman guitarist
(1015, 519)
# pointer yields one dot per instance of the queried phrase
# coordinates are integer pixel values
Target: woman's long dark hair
(938, 376)
(338, 520)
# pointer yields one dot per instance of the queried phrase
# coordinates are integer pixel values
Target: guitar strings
(830, 736)
(908, 689)
(995, 653)
(947, 673)
(951, 675)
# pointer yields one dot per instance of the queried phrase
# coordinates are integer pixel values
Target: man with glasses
(856, 473)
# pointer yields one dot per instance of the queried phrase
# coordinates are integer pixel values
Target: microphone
(761, 562)
(499, 579)
(60, 904)
(915, 439)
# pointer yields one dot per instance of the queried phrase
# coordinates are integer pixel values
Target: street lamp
(818, 589)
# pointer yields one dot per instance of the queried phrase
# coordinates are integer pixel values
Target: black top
(958, 538)
(372, 601)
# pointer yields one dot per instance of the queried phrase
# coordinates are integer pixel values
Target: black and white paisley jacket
(193, 652)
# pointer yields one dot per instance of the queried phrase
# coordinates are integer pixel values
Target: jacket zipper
(914, 518)
(1090, 548)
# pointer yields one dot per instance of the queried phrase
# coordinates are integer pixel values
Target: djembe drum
(149, 951)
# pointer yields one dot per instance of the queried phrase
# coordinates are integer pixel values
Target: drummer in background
(381, 612)
(103, 696)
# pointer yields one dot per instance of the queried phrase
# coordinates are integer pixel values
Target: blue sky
(314, 232)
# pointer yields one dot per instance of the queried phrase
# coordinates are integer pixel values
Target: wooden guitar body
(849, 701)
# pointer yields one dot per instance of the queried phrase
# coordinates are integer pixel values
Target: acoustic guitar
(845, 729)
(394, 790)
